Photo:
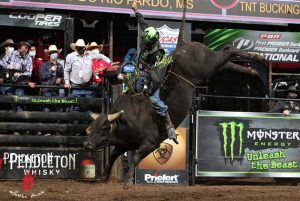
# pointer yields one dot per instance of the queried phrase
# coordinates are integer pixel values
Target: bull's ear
(115, 116)
(94, 115)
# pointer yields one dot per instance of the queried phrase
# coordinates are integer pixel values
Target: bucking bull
(133, 123)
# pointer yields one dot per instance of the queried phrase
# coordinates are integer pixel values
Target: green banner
(274, 46)
(254, 11)
(241, 144)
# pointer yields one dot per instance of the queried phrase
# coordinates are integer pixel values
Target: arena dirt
(61, 190)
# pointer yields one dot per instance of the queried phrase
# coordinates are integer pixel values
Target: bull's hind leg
(232, 51)
(146, 148)
(236, 67)
(113, 156)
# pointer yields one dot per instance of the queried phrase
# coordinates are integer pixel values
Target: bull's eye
(106, 127)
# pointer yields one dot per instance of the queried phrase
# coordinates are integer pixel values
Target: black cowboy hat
(292, 89)
(7, 43)
(24, 43)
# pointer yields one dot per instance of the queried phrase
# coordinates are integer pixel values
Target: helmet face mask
(150, 36)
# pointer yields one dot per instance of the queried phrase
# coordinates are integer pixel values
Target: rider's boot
(170, 128)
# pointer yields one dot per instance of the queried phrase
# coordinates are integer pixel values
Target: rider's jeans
(139, 85)
(160, 107)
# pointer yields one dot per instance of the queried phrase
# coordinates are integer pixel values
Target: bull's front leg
(145, 148)
(233, 51)
(113, 157)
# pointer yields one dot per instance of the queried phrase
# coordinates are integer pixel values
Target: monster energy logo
(231, 137)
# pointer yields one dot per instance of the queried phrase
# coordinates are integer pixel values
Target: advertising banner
(49, 164)
(34, 20)
(242, 144)
(168, 33)
(168, 163)
(255, 11)
(274, 46)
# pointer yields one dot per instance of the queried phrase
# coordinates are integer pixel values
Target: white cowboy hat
(80, 43)
(93, 45)
(52, 48)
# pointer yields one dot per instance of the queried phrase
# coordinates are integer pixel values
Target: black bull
(133, 123)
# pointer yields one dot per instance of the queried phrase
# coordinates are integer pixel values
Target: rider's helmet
(150, 36)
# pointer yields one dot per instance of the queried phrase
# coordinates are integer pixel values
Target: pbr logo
(232, 140)
(163, 153)
(224, 4)
(168, 38)
(243, 43)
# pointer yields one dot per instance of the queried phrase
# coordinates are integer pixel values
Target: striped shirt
(18, 62)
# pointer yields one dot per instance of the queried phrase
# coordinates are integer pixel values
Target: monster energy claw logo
(231, 138)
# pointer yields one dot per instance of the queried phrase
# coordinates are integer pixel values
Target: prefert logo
(232, 133)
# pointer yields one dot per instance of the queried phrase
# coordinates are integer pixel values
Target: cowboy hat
(51, 49)
(7, 43)
(24, 43)
(80, 43)
(95, 45)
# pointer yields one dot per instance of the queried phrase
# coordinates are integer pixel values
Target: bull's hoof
(104, 178)
(260, 58)
(128, 184)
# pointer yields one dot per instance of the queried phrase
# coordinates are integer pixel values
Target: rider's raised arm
(139, 17)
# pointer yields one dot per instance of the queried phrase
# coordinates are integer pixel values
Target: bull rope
(182, 78)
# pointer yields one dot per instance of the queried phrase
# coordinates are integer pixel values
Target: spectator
(130, 55)
(36, 65)
(20, 63)
(8, 46)
(290, 106)
(98, 65)
(51, 73)
(78, 70)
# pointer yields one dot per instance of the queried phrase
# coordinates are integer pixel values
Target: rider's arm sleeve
(141, 21)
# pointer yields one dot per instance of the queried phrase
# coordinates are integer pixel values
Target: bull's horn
(94, 115)
(115, 116)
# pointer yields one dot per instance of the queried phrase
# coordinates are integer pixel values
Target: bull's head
(100, 129)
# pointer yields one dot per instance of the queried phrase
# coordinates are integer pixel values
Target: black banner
(255, 11)
(34, 20)
(239, 144)
(49, 163)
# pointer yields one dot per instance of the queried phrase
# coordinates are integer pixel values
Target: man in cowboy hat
(8, 46)
(51, 73)
(21, 64)
(78, 68)
(289, 106)
(98, 65)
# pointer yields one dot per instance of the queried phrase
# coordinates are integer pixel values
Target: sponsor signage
(48, 164)
(274, 46)
(168, 33)
(255, 11)
(34, 20)
(241, 144)
(168, 163)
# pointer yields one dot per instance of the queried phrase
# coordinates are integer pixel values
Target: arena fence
(49, 144)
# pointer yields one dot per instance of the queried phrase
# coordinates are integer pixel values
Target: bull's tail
(181, 32)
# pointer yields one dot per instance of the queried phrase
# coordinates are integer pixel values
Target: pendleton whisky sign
(255, 11)
(244, 144)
